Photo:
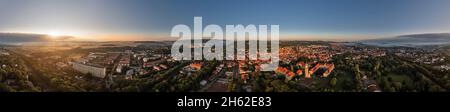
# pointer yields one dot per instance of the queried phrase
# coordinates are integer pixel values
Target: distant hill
(14, 38)
(413, 40)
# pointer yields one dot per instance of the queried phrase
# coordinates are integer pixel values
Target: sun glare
(54, 34)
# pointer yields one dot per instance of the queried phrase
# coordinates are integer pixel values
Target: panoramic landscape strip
(224, 46)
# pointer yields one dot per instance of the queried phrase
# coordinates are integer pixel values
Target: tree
(5, 88)
(333, 82)
(358, 82)
(231, 87)
(378, 74)
(348, 84)
(269, 89)
(392, 89)
(389, 79)
(131, 88)
(385, 84)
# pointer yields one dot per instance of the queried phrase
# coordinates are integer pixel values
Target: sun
(54, 34)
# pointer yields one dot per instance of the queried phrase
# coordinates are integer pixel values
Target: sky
(154, 19)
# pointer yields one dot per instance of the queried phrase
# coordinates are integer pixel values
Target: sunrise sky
(153, 19)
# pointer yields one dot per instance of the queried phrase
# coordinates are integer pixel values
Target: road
(213, 80)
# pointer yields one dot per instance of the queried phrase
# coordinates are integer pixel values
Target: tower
(307, 75)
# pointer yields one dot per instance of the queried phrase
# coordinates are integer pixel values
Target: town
(305, 66)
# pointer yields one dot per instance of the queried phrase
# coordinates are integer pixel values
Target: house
(330, 68)
(125, 60)
(284, 71)
(61, 65)
(94, 70)
(244, 77)
(163, 66)
(203, 82)
(299, 72)
(290, 75)
(4, 53)
(129, 74)
(197, 66)
(157, 68)
(119, 69)
(373, 88)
